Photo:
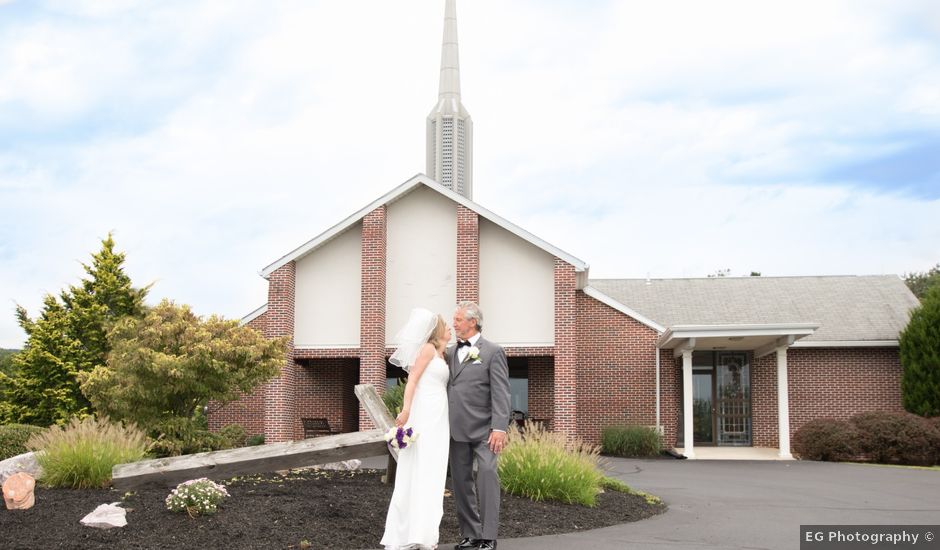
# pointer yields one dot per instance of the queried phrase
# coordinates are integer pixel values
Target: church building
(712, 362)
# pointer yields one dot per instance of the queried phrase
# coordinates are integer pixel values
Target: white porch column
(687, 387)
(783, 404)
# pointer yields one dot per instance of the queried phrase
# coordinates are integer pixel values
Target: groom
(478, 396)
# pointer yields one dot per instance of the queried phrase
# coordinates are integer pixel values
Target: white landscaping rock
(346, 465)
(106, 516)
(20, 463)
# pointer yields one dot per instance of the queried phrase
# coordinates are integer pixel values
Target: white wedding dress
(414, 514)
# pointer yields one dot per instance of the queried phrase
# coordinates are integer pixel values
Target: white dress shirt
(464, 350)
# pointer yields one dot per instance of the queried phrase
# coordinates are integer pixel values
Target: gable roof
(420, 179)
(849, 309)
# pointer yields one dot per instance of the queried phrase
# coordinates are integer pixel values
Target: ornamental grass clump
(81, 454)
(631, 441)
(197, 497)
(541, 465)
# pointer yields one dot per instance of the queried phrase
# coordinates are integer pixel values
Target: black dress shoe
(487, 545)
(468, 543)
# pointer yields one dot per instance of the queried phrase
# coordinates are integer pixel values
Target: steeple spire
(450, 61)
(449, 127)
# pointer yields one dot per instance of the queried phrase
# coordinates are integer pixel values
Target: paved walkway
(753, 504)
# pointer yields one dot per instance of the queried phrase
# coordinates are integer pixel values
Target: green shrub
(81, 454)
(827, 439)
(233, 436)
(255, 440)
(541, 466)
(920, 356)
(186, 436)
(394, 397)
(632, 441)
(897, 438)
(13, 438)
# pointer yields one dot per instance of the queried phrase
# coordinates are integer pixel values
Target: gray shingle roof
(847, 308)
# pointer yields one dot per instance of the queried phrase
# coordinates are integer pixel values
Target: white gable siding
(327, 292)
(422, 257)
(517, 288)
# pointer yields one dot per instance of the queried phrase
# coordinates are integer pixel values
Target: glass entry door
(733, 398)
(721, 399)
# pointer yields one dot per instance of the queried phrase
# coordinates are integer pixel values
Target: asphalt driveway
(755, 504)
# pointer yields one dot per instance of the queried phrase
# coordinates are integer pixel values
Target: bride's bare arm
(414, 374)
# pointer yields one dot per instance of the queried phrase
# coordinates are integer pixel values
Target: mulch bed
(326, 508)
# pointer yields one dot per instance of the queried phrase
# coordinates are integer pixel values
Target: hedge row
(881, 437)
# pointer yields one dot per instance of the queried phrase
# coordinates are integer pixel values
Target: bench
(314, 427)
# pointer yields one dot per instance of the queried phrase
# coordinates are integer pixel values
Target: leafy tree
(68, 338)
(919, 283)
(170, 363)
(920, 357)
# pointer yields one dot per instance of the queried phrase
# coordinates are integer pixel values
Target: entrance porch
(715, 407)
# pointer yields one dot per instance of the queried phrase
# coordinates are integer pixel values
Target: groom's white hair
(472, 311)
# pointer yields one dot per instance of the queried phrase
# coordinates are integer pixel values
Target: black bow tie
(462, 343)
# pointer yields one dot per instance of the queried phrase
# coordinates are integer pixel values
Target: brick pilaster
(372, 313)
(280, 404)
(468, 255)
(566, 350)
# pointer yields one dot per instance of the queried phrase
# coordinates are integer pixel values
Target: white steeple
(450, 129)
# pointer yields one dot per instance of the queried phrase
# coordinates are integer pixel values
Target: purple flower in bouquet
(400, 438)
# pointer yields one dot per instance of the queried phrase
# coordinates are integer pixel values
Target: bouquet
(399, 438)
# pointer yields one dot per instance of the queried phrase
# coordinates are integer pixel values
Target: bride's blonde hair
(438, 332)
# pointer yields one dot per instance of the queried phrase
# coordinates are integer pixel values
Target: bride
(414, 514)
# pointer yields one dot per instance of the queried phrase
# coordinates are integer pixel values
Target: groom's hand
(497, 441)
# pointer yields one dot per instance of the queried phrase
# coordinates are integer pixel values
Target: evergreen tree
(920, 357)
(68, 338)
(170, 363)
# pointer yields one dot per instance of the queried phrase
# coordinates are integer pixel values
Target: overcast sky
(662, 139)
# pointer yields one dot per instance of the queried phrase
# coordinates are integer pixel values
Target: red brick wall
(325, 390)
(616, 369)
(671, 395)
(372, 327)
(764, 399)
(468, 255)
(565, 413)
(280, 412)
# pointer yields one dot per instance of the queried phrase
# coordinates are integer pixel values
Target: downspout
(659, 426)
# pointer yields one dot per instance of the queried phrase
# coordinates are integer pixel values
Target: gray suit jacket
(478, 393)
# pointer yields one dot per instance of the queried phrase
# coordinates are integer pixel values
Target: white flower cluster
(400, 438)
(196, 497)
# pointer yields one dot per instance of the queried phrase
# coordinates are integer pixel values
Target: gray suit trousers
(471, 496)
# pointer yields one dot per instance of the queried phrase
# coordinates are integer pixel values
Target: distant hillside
(5, 355)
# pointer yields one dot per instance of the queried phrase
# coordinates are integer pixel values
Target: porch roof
(762, 339)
